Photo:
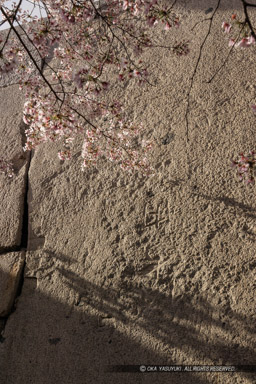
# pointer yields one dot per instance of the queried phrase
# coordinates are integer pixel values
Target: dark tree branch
(247, 18)
(40, 69)
(226, 59)
(246, 22)
(14, 16)
(29, 54)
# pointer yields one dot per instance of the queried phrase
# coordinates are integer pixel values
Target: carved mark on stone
(156, 215)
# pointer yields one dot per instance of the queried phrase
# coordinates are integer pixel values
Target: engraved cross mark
(155, 216)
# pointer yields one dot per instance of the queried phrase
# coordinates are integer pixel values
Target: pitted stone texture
(67, 325)
(159, 271)
(11, 266)
(12, 190)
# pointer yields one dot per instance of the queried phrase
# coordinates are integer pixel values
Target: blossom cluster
(89, 39)
(247, 39)
(246, 166)
(181, 48)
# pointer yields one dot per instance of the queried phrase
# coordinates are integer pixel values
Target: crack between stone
(23, 239)
(25, 222)
(3, 320)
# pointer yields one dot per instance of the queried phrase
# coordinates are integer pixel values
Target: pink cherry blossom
(231, 42)
(253, 106)
(246, 166)
(226, 27)
(246, 42)
(60, 113)
(152, 21)
(167, 26)
(251, 40)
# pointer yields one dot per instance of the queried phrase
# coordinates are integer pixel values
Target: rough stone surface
(11, 267)
(12, 191)
(126, 270)
(13, 139)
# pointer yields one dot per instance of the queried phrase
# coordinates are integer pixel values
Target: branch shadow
(54, 339)
(208, 6)
(229, 202)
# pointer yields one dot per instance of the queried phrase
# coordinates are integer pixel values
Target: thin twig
(227, 57)
(7, 19)
(118, 38)
(200, 21)
(247, 19)
(195, 70)
(29, 54)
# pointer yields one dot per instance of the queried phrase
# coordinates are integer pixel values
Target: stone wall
(120, 269)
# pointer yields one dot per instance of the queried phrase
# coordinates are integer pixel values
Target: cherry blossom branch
(28, 52)
(75, 24)
(42, 59)
(247, 18)
(178, 48)
(95, 128)
(43, 63)
(9, 32)
(246, 165)
(106, 58)
(77, 53)
(227, 57)
(115, 36)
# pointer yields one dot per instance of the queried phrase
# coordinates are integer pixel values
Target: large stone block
(12, 191)
(11, 267)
